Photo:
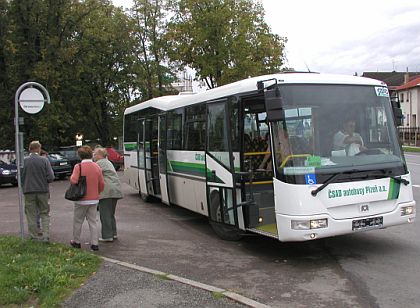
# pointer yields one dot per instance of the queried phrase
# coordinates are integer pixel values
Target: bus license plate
(368, 223)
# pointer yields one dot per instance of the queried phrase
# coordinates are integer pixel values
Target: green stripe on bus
(178, 166)
(394, 189)
(192, 169)
(130, 146)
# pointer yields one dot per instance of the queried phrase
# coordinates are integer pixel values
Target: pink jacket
(94, 179)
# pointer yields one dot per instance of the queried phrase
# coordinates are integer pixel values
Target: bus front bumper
(304, 227)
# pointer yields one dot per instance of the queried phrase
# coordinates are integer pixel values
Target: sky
(345, 37)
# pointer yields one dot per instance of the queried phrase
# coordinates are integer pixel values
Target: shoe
(75, 245)
(115, 237)
(94, 247)
(46, 240)
(106, 239)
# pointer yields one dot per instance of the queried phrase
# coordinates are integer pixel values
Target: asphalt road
(372, 269)
(385, 264)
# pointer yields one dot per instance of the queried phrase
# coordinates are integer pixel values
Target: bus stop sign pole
(31, 100)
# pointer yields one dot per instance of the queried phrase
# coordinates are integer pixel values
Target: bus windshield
(327, 129)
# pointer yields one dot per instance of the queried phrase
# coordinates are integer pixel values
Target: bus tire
(145, 198)
(225, 232)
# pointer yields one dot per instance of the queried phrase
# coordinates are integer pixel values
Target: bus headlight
(309, 224)
(407, 210)
(300, 225)
(319, 223)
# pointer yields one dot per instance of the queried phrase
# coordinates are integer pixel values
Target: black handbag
(77, 191)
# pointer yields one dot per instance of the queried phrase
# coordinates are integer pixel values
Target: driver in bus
(348, 140)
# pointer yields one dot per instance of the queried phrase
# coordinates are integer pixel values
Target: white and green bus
(273, 155)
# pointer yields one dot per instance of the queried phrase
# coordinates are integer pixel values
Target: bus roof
(169, 102)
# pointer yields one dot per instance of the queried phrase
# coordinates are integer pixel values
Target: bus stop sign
(31, 100)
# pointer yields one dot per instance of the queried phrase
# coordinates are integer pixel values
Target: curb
(234, 296)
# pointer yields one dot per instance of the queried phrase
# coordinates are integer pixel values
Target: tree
(6, 95)
(153, 72)
(82, 52)
(223, 40)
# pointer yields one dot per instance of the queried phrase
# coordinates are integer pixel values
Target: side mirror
(274, 105)
(396, 110)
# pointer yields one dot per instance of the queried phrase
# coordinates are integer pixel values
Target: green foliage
(411, 149)
(149, 20)
(82, 52)
(96, 60)
(224, 40)
(41, 273)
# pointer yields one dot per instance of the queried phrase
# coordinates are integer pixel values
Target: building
(409, 95)
(407, 87)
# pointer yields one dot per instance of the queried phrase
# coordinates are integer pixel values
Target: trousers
(82, 211)
(37, 203)
(107, 214)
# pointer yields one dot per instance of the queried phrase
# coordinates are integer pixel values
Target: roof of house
(411, 84)
(392, 79)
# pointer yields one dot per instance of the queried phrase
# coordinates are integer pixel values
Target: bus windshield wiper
(333, 177)
(328, 181)
(398, 179)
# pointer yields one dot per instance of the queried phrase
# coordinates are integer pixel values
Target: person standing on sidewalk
(36, 176)
(109, 196)
(87, 206)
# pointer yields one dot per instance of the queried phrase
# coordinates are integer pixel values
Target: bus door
(141, 162)
(223, 194)
(151, 156)
(256, 158)
(162, 160)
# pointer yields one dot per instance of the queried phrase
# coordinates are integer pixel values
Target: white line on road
(416, 186)
(415, 164)
(411, 155)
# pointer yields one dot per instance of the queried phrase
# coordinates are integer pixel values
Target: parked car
(116, 157)
(70, 153)
(8, 173)
(60, 165)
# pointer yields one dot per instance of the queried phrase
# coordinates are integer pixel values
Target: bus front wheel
(225, 232)
(145, 198)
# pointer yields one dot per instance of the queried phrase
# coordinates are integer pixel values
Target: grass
(410, 149)
(163, 276)
(217, 295)
(39, 274)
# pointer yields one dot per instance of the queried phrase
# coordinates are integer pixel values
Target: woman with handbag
(109, 197)
(86, 207)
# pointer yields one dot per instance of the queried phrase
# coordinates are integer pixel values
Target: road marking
(411, 155)
(416, 186)
(410, 163)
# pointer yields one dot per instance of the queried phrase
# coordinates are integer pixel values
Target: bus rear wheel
(225, 232)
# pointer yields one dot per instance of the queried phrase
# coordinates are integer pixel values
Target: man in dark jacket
(36, 175)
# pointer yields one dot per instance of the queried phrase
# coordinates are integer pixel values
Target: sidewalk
(118, 286)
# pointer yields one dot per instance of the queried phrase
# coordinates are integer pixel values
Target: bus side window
(174, 137)
(195, 123)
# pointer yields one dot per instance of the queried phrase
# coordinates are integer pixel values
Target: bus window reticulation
(320, 158)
